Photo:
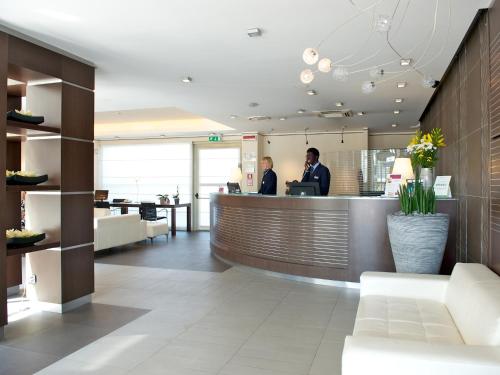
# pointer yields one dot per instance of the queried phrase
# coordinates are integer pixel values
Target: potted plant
(417, 233)
(176, 196)
(423, 149)
(163, 199)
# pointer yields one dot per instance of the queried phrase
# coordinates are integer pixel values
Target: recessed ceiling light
(396, 111)
(361, 113)
(254, 31)
(253, 104)
(282, 118)
(301, 111)
(405, 62)
(339, 104)
(187, 80)
(401, 85)
(232, 117)
(398, 100)
(311, 92)
(394, 125)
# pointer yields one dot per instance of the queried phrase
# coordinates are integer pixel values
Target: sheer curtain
(140, 171)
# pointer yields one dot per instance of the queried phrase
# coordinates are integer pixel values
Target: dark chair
(148, 212)
(99, 204)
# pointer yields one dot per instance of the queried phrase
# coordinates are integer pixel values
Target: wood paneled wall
(462, 107)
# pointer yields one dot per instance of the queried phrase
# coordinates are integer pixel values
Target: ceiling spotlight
(232, 117)
(310, 56)
(282, 118)
(398, 100)
(401, 85)
(311, 92)
(405, 62)
(306, 76)
(301, 111)
(253, 104)
(339, 104)
(253, 32)
(396, 111)
(340, 74)
(325, 65)
(187, 80)
(383, 23)
(368, 87)
(361, 113)
(394, 125)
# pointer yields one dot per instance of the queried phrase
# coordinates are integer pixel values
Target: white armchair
(426, 324)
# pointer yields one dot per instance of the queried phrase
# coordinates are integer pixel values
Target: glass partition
(360, 172)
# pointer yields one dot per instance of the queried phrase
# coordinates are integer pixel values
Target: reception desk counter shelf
(333, 238)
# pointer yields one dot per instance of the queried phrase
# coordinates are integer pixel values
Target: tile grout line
(324, 333)
(253, 332)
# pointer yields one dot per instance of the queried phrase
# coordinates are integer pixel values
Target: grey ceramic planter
(418, 241)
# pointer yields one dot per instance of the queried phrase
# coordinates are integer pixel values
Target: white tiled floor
(206, 323)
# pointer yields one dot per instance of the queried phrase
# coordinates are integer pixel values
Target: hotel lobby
(264, 188)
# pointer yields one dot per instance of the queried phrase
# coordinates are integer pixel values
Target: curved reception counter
(334, 238)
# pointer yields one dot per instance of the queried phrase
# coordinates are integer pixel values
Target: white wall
(288, 151)
(381, 141)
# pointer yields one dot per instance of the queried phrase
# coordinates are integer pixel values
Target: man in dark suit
(316, 172)
(269, 179)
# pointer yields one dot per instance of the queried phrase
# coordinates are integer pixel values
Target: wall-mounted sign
(215, 138)
(249, 179)
(249, 138)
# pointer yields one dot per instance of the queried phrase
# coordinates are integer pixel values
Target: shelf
(33, 188)
(31, 249)
(25, 129)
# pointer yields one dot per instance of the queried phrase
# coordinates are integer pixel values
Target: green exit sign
(215, 138)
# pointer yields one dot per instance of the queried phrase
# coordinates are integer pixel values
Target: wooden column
(3, 146)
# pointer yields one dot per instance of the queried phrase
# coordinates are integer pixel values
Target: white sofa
(117, 230)
(426, 324)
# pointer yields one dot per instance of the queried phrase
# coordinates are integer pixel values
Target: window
(140, 171)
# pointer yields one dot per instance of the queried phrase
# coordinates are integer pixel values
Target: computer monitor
(305, 188)
(101, 195)
(233, 188)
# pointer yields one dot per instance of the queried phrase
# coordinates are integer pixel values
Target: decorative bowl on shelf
(24, 117)
(22, 238)
(24, 178)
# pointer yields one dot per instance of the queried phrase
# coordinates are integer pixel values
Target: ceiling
(153, 122)
(142, 50)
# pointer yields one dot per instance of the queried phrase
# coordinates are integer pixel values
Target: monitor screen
(304, 188)
(101, 195)
(233, 188)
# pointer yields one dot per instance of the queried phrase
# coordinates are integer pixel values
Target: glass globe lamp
(368, 87)
(306, 76)
(340, 74)
(310, 56)
(325, 65)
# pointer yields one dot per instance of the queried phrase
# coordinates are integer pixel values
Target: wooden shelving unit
(32, 249)
(61, 89)
(25, 129)
(21, 188)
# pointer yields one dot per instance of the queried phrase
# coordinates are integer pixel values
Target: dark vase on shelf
(176, 200)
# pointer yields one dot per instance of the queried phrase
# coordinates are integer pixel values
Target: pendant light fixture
(310, 56)
(325, 65)
(306, 76)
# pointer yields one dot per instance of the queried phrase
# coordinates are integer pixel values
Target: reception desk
(335, 238)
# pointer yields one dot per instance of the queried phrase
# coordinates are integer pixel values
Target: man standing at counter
(316, 172)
